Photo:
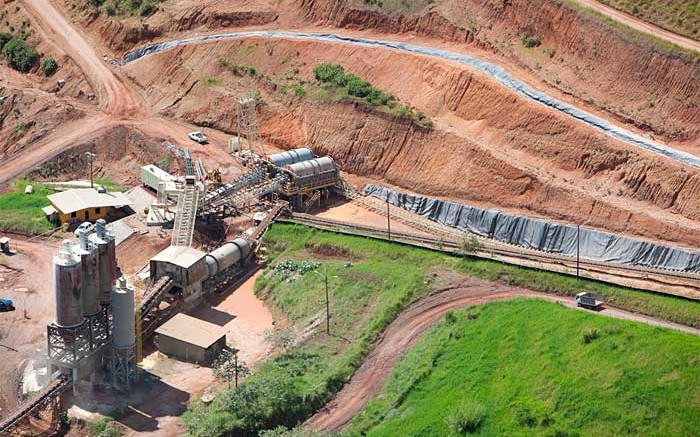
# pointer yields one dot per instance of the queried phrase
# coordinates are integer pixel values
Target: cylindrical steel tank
(107, 262)
(123, 321)
(313, 167)
(67, 282)
(90, 288)
(291, 156)
(227, 255)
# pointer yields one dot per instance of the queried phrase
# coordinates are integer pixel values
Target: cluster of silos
(84, 274)
(226, 256)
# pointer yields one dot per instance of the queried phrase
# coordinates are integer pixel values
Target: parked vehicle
(592, 301)
(86, 226)
(6, 305)
(198, 137)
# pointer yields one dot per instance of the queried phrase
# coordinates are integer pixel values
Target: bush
(299, 90)
(467, 418)
(110, 9)
(332, 73)
(4, 39)
(531, 41)
(49, 66)
(590, 335)
(146, 8)
(20, 56)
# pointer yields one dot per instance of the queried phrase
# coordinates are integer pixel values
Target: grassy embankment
(21, 213)
(530, 367)
(649, 41)
(681, 17)
(365, 297)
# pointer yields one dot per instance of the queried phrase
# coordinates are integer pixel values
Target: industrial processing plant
(329, 218)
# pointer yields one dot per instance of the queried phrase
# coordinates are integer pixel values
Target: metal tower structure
(247, 124)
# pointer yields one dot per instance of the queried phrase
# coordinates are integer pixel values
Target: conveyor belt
(50, 392)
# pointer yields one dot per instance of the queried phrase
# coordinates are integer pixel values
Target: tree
(470, 244)
(227, 367)
(49, 66)
(20, 56)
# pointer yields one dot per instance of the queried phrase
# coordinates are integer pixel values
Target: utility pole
(578, 249)
(388, 218)
(235, 369)
(91, 157)
(328, 305)
(328, 308)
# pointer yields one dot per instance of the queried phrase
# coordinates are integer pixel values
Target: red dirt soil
(535, 161)
(410, 325)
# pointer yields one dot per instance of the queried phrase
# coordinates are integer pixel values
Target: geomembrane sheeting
(538, 234)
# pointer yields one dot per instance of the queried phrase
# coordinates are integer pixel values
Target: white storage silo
(123, 321)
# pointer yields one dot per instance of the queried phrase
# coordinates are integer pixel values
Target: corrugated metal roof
(182, 256)
(192, 330)
(82, 198)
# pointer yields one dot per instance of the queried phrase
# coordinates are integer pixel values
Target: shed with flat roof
(190, 339)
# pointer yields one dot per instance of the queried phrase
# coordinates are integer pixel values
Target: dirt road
(640, 25)
(415, 321)
(116, 98)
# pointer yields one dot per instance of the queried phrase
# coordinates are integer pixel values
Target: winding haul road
(416, 320)
(121, 104)
(641, 25)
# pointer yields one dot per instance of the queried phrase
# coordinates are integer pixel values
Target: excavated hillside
(534, 160)
(630, 76)
(32, 104)
(627, 75)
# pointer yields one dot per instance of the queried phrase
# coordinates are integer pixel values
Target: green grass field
(681, 17)
(366, 295)
(21, 213)
(524, 365)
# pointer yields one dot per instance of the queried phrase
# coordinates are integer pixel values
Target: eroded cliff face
(612, 70)
(489, 146)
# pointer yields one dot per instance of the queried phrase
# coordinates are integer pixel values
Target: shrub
(530, 41)
(49, 66)
(299, 90)
(332, 73)
(590, 335)
(20, 56)
(110, 9)
(467, 418)
(4, 39)
(146, 8)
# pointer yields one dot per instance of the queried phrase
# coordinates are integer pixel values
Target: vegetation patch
(355, 89)
(125, 8)
(681, 17)
(19, 54)
(519, 369)
(21, 213)
(365, 297)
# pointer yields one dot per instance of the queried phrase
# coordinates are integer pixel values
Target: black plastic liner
(538, 234)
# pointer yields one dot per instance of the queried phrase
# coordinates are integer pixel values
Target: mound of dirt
(534, 160)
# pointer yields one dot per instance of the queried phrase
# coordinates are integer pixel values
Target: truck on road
(591, 301)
